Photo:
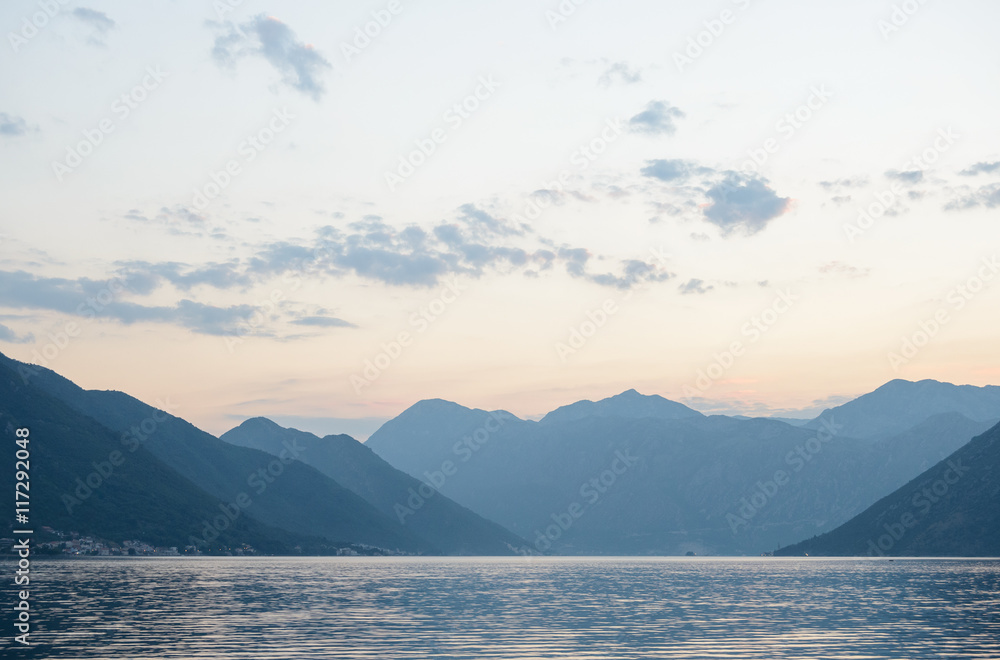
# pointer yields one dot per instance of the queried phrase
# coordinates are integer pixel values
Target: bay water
(580, 608)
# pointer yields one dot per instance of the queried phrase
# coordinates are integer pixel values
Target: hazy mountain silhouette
(431, 428)
(84, 479)
(627, 405)
(430, 514)
(625, 475)
(927, 443)
(791, 421)
(693, 484)
(951, 509)
(901, 404)
(296, 497)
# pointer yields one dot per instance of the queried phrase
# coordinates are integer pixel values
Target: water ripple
(519, 608)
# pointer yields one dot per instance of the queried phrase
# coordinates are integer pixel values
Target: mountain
(901, 404)
(924, 445)
(626, 475)
(84, 479)
(951, 509)
(431, 428)
(627, 405)
(396, 494)
(791, 421)
(284, 494)
(632, 483)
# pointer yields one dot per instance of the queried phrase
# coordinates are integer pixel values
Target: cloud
(180, 220)
(93, 299)
(738, 406)
(482, 223)
(204, 319)
(657, 119)
(550, 196)
(409, 256)
(21, 290)
(693, 286)
(840, 268)
(620, 72)
(11, 126)
(846, 182)
(633, 272)
(9, 336)
(742, 202)
(474, 243)
(477, 243)
(178, 217)
(299, 64)
(323, 322)
(910, 177)
(397, 267)
(670, 170)
(183, 214)
(98, 22)
(987, 196)
(216, 275)
(981, 168)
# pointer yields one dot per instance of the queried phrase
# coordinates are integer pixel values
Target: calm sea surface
(511, 608)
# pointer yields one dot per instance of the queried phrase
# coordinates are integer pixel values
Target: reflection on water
(513, 608)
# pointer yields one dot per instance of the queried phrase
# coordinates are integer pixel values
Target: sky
(324, 212)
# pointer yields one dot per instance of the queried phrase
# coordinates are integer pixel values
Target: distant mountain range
(901, 404)
(691, 483)
(84, 479)
(288, 495)
(951, 509)
(628, 405)
(394, 493)
(630, 475)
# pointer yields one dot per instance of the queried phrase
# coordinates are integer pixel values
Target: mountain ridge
(628, 474)
(900, 404)
(692, 472)
(271, 492)
(950, 509)
(391, 491)
(629, 404)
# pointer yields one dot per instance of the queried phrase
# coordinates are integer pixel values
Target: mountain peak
(435, 404)
(259, 422)
(630, 404)
(901, 404)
